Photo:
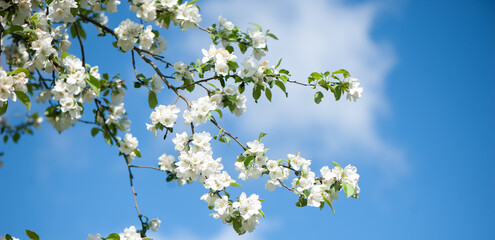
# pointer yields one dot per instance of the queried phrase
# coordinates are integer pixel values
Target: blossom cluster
(199, 110)
(163, 116)
(355, 91)
(128, 145)
(221, 58)
(129, 33)
(230, 97)
(130, 233)
(196, 162)
(11, 83)
(182, 71)
(243, 214)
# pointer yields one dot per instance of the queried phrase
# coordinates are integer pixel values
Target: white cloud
(318, 36)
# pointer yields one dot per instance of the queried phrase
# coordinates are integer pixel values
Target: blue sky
(422, 137)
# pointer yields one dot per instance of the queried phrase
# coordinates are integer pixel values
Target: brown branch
(80, 44)
(230, 135)
(285, 186)
(202, 28)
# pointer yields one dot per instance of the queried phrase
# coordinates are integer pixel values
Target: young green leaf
(318, 97)
(272, 36)
(137, 152)
(152, 100)
(348, 189)
(329, 203)
(93, 83)
(268, 94)
(262, 134)
(32, 235)
(3, 107)
(113, 236)
(24, 99)
(19, 70)
(234, 184)
(256, 92)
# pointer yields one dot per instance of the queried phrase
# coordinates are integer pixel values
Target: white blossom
(128, 144)
(167, 162)
(155, 224)
(355, 91)
(188, 16)
(130, 234)
(166, 115)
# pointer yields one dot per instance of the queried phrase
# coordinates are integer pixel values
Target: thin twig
(150, 167)
(285, 186)
(230, 135)
(202, 28)
(80, 44)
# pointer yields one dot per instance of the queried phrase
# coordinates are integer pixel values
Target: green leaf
(284, 71)
(32, 235)
(316, 75)
(343, 72)
(113, 236)
(8, 237)
(256, 92)
(234, 184)
(348, 189)
(152, 100)
(3, 107)
(230, 49)
(12, 29)
(237, 226)
(268, 94)
(281, 85)
(226, 139)
(19, 70)
(318, 97)
(93, 83)
(73, 32)
(337, 93)
(262, 134)
(64, 55)
(24, 99)
(16, 137)
(94, 131)
(219, 112)
(302, 202)
(232, 65)
(329, 203)
(137, 152)
(272, 36)
(337, 165)
(243, 47)
(192, 2)
(278, 64)
(248, 160)
(108, 139)
(257, 26)
(262, 213)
